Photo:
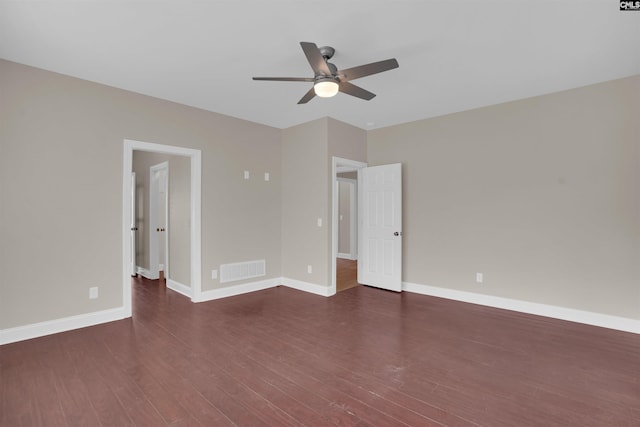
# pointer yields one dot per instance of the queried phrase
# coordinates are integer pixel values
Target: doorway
(194, 289)
(379, 223)
(347, 258)
(345, 175)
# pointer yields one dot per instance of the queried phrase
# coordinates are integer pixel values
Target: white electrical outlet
(309, 269)
(479, 277)
(214, 274)
(93, 292)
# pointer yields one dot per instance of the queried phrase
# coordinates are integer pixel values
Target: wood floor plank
(196, 371)
(314, 379)
(87, 354)
(71, 390)
(180, 390)
(17, 402)
(323, 412)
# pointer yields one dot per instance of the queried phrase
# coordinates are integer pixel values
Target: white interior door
(381, 227)
(134, 227)
(162, 221)
(157, 218)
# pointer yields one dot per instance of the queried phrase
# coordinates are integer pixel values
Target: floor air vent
(242, 270)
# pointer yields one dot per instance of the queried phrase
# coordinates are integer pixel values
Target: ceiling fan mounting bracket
(327, 51)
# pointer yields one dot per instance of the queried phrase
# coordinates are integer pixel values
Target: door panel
(382, 227)
(134, 227)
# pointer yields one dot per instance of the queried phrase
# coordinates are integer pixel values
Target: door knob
(397, 234)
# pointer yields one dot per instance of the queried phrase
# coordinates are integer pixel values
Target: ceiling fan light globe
(326, 88)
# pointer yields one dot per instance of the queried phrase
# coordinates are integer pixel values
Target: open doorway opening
(346, 222)
(193, 287)
(347, 257)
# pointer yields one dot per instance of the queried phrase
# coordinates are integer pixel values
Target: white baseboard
(179, 287)
(244, 288)
(345, 256)
(563, 313)
(324, 291)
(41, 329)
(264, 284)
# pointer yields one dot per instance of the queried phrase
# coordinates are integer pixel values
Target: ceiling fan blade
(315, 58)
(308, 96)
(286, 79)
(367, 70)
(357, 91)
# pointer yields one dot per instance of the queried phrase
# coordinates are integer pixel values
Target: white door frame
(195, 215)
(340, 165)
(154, 237)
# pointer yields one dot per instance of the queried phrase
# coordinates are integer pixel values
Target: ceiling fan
(328, 80)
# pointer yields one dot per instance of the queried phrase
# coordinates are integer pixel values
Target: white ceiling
(453, 55)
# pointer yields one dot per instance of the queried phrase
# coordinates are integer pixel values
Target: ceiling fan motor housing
(334, 72)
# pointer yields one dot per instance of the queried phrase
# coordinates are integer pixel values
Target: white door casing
(381, 227)
(195, 216)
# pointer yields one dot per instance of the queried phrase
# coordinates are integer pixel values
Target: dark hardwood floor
(364, 357)
(346, 274)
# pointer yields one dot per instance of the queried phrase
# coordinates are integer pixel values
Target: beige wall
(61, 168)
(346, 141)
(305, 194)
(307, 152)
(541, 195)
(179, 211)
